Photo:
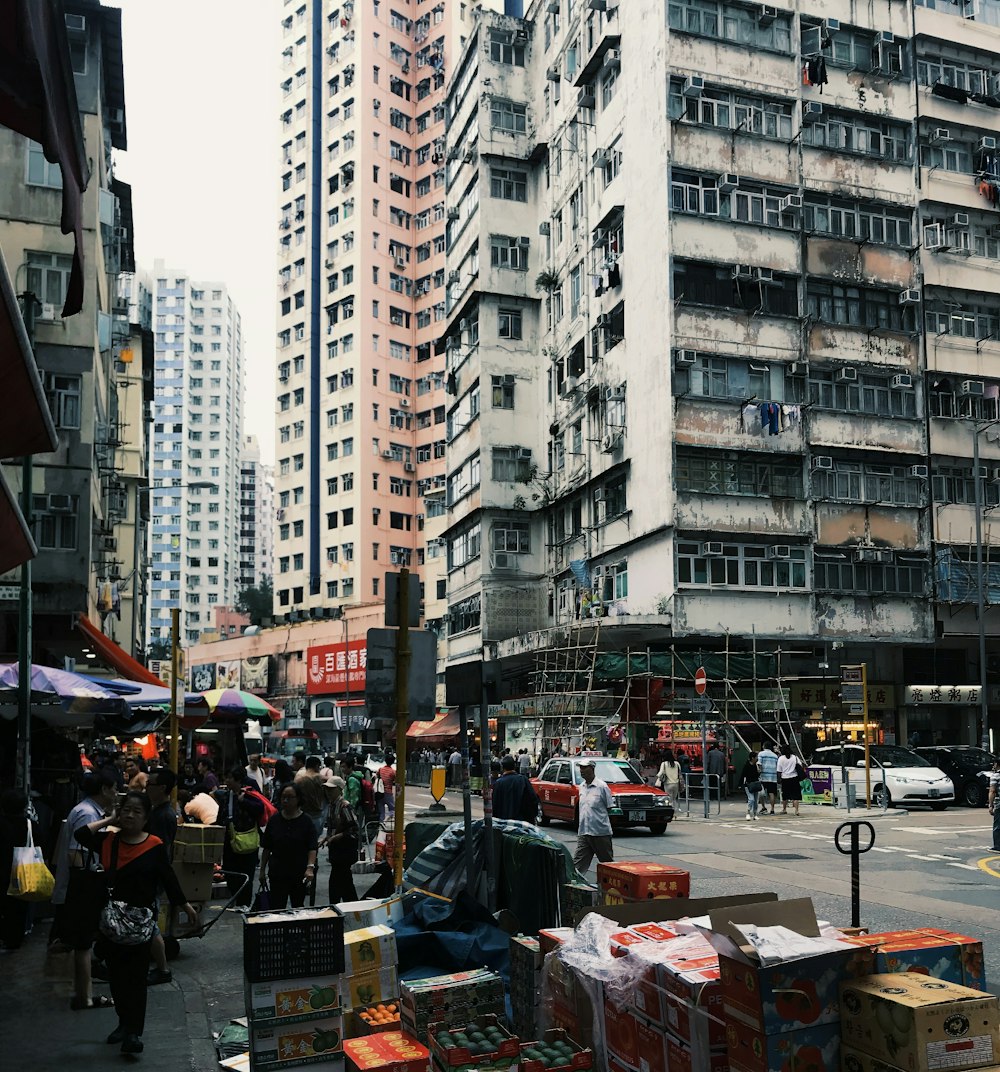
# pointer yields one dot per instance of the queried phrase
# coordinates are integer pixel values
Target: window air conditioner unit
(743, 271)
(545, 229)
(614, 394)
(728, 182)
(847, 374)
(832, 25)
(811, 111)
(910, 296)
(585, 98)
(610, 441)
(599, 496)
(779, 550)
(50, 311)
(694, 86)
(919, 471)
(791, 203)
(763, 275)
(987, 145)
(767, 15)
(597, 5)
(984, 473)
(934, 238)
(409, 467)
(454, 276)
(400, 262)
(960, 219)
(61, 504)
(685, 358)
(797, 368)
(612, 58)
(822, 461)
(972, 389)
(600, 158)
(503, 561)
(604, 320)
(453, 214)
(404, 403)
(872, 554)
(552, 73)
(76, 24)
(552, 7)
(387, 453)
(470, 155)
(902, 381)
(996, 476)
(712, 549)
(524, 242)
(940, 135)
(463, 325)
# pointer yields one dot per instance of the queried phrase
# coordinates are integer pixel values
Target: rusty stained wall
(710, 423)
(841, 174)
(876, 617)
(737, 334)
(742, 513)
(696, 236)
(772, 614)
(843, 525)
(717, 151)
(850, 262)
(888, 349)
(899, 435)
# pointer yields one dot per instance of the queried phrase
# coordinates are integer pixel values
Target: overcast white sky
(202, 105)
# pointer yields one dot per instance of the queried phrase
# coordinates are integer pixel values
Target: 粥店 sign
(968, 695)
(802, 695)
(336, 667)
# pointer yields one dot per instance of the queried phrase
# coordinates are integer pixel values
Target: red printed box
(621, 1036)
(955, 958)
(634, 880)
(816, 1048)
(682, 1058)
(693, 1002)
(652, 1048)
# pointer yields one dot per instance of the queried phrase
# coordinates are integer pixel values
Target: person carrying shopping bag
(670, 777)
(752, 785)
(135, 864)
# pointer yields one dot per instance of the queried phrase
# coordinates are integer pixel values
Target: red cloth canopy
(114, 655)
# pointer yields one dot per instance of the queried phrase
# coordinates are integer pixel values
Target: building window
(511, 464)
(508, 117)
(508, 252)
(881, 224)
(863, 481)
(734, 565)
(867, 394)
(731, 110)
(727, 287)
(56, 527)
(729, 22)
(834, 571)
(48, 276)
(509, 324)
(508, 184)
(712, 376)
(862, 307)
(858, 132)
(506, 49)
(512, 537)
(503, 392)
(718, 472)
(40, 171)
(64, 400)
(464, 546)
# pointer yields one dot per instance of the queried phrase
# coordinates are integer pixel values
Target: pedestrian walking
(514, 796)
(993, 801)
(670, 776)
(767, 764)
(343, 837)
(283, 775)
(752, 785)
(207, 780)
(256, 773)
(455, 768)
(523, 762)
(288, 851)
(387, 777)
(312, 792)
(717, 768)
(594, 810)
(80, 888)
(352, 782)
(241, 814)
(162, 824)
(135, 864)
(790, 773)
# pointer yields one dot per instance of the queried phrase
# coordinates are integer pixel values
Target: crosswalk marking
(966, 867)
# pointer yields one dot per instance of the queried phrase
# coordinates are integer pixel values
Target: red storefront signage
(336, 667)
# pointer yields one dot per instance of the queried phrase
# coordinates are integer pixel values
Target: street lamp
(175, 654)
(984, 704)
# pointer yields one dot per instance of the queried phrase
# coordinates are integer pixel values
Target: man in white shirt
(594, 832)
(455, 768)
(524, 762)
(255, 772)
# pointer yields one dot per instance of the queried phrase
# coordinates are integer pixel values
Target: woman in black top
(283, 775)
(290, 844)
(135, 863)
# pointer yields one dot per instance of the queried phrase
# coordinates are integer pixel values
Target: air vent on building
(822, 461)
(902, 381)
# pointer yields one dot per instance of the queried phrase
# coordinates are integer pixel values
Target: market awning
(445, 724)
(114, 655)
(16, 544)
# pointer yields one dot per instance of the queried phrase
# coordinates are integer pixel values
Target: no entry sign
(700, 681)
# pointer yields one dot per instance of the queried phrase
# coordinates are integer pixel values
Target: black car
(967, 766)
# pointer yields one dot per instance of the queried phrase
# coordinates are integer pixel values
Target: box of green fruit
(554, 1050)
(482, 1040)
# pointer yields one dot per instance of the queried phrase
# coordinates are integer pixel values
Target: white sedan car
(898, 775)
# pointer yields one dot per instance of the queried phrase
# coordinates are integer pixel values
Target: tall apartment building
(86, 494)
(197, 436)
(361, 401)
(720, 374)
(256, 517)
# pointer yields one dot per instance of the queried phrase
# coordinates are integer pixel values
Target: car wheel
(938, 807)
(543, 819)
(972, 795)
(881, 797)
(657, 829)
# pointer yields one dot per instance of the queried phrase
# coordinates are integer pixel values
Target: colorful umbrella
(230, 705)
(59, 697)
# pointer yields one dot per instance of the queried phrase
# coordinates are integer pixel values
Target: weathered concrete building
(723, 327)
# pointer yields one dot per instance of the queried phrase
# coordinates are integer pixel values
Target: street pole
(868, 769)
(484, 765)
(984, 703)
(470, 856)
(175, 719)
(402, 717)
(25, 609)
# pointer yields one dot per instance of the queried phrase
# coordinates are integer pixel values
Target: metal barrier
(714, 791)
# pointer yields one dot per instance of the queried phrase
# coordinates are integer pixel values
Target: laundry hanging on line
(769, 418)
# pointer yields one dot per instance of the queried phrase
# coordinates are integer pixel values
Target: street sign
(700, 681)
(702, 705)
(851, 673)
(856, 709)
(392, 600)
(851, 693)
(380, 677)
(10, 593)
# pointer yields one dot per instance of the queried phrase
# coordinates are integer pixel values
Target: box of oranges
(375, 1018)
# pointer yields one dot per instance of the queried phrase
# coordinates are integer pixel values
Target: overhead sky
(202, 106)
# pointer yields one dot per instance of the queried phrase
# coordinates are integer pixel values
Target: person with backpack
(343, 837)
(514, 796)
(312, 793)
(352, 781)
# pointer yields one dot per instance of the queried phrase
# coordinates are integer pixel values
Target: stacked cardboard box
(907, 1021)
(478, 1044)
(955, 958)
(574, 897)
(197, 851)
(293, 962)
(453, 997)
(389, 1051)
(370, 971)
(525, 984)
(628, 881)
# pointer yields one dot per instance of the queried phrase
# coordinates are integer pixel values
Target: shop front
(942, 714)
(335, 688)
(816, 707)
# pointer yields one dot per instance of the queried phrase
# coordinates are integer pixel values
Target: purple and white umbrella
(58, 697)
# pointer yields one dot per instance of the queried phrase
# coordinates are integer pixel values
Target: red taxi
(636, 804)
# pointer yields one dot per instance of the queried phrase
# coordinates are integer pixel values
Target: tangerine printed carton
(388, 1051)
(635, 880)
(941, 954)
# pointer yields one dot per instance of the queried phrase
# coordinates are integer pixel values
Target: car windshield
(890, 755)
(972, 757)
(611, 771)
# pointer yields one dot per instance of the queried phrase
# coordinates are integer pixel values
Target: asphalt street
(925, 869)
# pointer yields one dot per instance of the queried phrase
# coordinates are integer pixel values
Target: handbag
(30, 879)
(244, 842)
(755, 787)
(800, 771)
(120, 922)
